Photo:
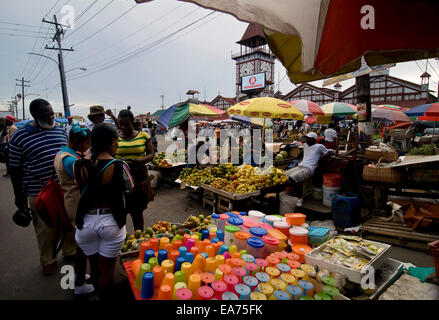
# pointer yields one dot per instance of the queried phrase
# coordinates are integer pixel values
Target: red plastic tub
(331, 180)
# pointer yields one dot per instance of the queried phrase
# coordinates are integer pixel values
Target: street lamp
(80, 68)
(63, 81)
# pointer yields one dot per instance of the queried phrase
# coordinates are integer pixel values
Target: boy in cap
(312, 152)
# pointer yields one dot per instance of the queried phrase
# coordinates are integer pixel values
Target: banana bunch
(245, 188)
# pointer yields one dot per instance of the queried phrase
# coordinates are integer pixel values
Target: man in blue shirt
(32, 151)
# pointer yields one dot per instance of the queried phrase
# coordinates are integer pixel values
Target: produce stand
(226, 201)
(272, 189)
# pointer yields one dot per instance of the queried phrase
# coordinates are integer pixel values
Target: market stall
(253, 256)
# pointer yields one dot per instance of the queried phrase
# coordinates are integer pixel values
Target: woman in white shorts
(101, 215)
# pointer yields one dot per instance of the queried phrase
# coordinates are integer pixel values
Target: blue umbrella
(22, 123)
(418, 111)
(61, 120)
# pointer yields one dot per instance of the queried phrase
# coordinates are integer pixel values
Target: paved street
(21, 274)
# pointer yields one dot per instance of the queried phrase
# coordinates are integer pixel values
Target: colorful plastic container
(301, 250)
(241, 239)
(249, 223)
(295, 219)
(271, 244)
(256, 215)
(235, 221)
(298, 235)
(257, 232)
(229, 234)
(283, 227)
(255, 247)
(270, 219)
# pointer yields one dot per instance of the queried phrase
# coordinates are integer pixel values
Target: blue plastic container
(318, 235)
(346, 210)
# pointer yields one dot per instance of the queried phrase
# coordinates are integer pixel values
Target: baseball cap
(312, 135)
(10, 118)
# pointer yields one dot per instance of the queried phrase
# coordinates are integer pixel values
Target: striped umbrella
(428, 110)
(178, 114)
(390, 115)
(307, 107)
(339, 109)
(388, 106)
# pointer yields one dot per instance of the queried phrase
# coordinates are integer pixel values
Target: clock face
(266, 67)
(246, 69)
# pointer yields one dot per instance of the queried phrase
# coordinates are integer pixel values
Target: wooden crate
(397, 233)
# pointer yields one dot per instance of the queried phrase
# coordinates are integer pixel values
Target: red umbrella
(311, 120)
(308, 107)
(316, 39)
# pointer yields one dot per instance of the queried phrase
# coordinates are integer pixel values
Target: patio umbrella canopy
(390, 115)
(176, 115)
(307, 107)
(339, 109)
(266, 107)
(426, 110)
(317, 39)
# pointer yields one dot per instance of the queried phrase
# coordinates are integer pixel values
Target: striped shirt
(134, 148)
(34, 150)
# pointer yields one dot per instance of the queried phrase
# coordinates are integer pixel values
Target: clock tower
(254, 57)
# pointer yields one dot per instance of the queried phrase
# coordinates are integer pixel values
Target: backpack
(50, 207)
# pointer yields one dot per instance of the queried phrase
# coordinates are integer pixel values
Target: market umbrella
(206, 112)
(22, 123)
(316, 39)
(266, 107)
(307, 107)
(387, 106)
(429, 110)
(158, 113)
(390, 115)
(260, 122)
(178, 114)
(311, 120)
(339, 109)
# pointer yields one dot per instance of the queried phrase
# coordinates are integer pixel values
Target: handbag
(22, 217)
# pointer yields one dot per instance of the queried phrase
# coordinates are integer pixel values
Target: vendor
(330, 137)
(311, 156)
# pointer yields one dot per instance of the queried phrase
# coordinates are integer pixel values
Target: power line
(90, 18)
(21, 25)
(142, 43)
(21, 35)
(85, 10)
(106, 26)
(111, 46)
(57, 1)
(19, 30)
(141, 51)
(33, 48)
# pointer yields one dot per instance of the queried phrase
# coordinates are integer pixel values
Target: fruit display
(196, 224)
(133, 241)
(224, 170)
(281, 155)
(248, 179)
(158, 158)
(164, 164)
(199, 176)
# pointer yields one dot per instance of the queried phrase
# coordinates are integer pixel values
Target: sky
(132, 53)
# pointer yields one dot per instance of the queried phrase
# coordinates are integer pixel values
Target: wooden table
(227, 201)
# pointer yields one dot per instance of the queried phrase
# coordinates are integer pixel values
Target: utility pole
(163, 97)
(57, 38)
(22, 91)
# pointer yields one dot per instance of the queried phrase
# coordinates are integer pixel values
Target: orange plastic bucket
(295, 219)
(331, 180)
